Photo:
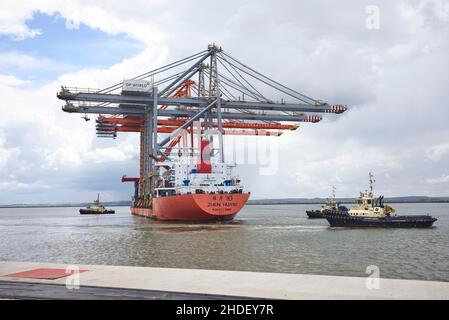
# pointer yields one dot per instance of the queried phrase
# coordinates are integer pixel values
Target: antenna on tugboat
(371, 181)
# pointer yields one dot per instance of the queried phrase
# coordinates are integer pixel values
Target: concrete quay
(31, 280)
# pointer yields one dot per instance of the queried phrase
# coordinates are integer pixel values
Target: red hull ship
(190, 191)
(195, 207)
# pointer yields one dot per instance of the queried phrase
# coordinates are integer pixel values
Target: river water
(268, 238)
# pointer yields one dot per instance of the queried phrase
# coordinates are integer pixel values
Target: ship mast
(371, 182)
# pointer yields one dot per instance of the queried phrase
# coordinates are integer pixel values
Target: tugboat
(331, 206)
(96, 208)
(371, 212)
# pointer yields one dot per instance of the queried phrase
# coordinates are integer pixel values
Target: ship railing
(216, 189)
(79, 89)
(85, 104)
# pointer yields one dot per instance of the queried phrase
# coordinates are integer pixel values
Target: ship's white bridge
(177, 177)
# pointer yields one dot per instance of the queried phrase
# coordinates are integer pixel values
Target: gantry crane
(215, 96)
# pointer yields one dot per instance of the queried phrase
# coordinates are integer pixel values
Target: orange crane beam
(127, 120)
(250, 131)
(137, 121)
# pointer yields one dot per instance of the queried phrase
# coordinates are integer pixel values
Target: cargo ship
(194, 192)
(371, 212)
(331, 206)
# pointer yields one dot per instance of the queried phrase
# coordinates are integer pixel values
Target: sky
(388, 61)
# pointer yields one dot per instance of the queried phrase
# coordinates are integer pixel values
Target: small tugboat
(331, 207)
(371, 212)
(96, 208)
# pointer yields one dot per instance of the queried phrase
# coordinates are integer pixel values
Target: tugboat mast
(371, 182)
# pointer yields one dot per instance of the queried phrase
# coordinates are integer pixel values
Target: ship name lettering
(214, 204)
(230, 204)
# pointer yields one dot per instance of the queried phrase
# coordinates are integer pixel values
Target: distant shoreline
(312, 201)
(342, 202)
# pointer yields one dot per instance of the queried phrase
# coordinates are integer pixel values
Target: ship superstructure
(181, 178)
(182, 111)
(369, 206)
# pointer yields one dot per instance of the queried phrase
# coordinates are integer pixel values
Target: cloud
(115, 17)
(10, 80)
(16, 186)
(149, 59)
(13, 16)
(442, 179)
(22, 68)
(437, 152)
(20, 60)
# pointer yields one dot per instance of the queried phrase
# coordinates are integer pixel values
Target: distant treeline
(127, 203)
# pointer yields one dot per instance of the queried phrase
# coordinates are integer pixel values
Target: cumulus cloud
(149, 59)
(112, 17)
(442, 179)
(10, 80)
(23, 61)
(13, 16)
(438, 152)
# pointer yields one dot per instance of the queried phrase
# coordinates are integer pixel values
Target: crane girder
(240, 132)
(139, 101)
(187, 113)
(138, 121)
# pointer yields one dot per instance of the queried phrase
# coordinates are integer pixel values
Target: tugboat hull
(422, 221)
(86, 211)
(321, 214)
(314, 214)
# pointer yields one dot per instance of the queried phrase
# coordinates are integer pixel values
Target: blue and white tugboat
(371, 212)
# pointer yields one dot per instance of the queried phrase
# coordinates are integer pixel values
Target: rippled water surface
(262, 238)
